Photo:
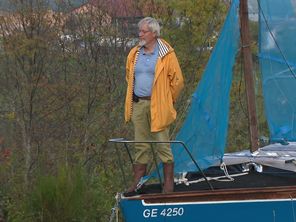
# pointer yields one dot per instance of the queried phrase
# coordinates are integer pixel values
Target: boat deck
(271, 177)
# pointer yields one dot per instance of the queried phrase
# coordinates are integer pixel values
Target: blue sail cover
(205, 129)
(277, 55)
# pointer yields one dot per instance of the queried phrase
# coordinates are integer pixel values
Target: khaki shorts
(141, 119)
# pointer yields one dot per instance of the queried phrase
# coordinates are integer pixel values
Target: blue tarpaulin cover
(277, 55)
(205, 128)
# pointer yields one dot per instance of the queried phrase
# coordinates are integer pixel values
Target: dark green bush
(71, 195)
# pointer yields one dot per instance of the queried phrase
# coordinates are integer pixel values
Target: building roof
(115, 8)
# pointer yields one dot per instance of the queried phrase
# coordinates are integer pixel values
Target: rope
(225, 178)
(115, 209)
(181, 179)
(220, 178)
(224, 168)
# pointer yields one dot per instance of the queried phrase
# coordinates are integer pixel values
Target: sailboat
(259, 184)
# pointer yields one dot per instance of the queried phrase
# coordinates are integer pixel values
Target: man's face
(145, 35)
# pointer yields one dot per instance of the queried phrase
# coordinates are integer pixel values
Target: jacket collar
(163, 48)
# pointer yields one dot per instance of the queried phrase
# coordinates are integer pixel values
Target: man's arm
(176, 77)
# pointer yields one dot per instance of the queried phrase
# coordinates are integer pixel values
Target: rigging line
(276, 43)
(240, 85)
(182, 114)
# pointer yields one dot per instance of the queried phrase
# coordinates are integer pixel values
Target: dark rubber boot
(168, 171)
(139, 171)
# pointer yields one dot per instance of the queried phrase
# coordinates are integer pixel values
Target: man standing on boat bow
(154, 81)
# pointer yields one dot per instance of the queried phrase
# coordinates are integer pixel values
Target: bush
(71, 195)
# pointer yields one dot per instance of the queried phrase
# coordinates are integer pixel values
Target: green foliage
(71, 195)
(191, 26)
(62, 99)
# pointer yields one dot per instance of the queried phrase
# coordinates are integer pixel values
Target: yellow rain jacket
(167, 85)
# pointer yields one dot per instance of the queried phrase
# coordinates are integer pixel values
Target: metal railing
(125, 142)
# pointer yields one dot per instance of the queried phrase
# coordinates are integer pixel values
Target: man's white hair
(152, 23)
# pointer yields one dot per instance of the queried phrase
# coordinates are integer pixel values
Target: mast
(248, 74)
